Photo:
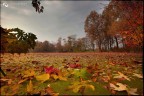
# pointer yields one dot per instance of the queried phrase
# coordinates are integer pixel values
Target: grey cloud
(60, 18)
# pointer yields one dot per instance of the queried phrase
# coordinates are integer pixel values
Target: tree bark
(116, 42)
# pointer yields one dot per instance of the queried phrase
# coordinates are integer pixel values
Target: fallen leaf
(50, 91)
(122, 87)
(9, 81)
(94, 79)
(121, 75)
(81, 73)
(119, 87)
(29, 73)
(51, 70)
(77, 85)
(91, 87)
(62, 78)
(30, 87)
(106, 78)
(132, 91)
(15, 89)
(54, 76)
(43, 77)
(138, 75)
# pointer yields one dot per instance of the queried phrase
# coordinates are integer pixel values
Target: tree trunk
(93, 47)
(110, 44)
(116, 42)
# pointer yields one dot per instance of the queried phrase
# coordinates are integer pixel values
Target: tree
(24, 41)
(3, 40)
(59, 45)
(111, 14)
(6, 38)
(94, 27)
(91, 25)
(125, 20)
(133, 18)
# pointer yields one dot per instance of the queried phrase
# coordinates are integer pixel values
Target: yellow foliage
(29, 73)
(30, 87)
(43, 77)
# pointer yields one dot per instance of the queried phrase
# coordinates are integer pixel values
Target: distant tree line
(69, 44)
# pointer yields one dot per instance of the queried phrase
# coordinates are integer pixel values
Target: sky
(59, 19)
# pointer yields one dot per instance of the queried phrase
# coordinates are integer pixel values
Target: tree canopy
(16, 40)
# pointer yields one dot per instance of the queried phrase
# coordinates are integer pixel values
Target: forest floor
(72, 74)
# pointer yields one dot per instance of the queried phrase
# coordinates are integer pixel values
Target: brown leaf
(94, 79)
(50, 91)
(9, 81)
(35, 62)
(113, 91)
(138, 75)
(137, 62)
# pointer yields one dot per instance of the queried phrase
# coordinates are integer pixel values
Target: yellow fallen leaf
(54, 76)
(29, 73)
(30, 87)
(91, 86)
(62, 78)
(43, 77)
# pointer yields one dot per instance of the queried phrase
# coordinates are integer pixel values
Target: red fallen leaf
(51, 70)
(72, 65)
(75, 66)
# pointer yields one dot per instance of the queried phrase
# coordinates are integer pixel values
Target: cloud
(60, 18)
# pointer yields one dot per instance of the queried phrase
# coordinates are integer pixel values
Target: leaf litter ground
(72, 74)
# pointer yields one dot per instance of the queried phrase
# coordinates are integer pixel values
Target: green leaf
(76, 86)
(81, 73)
